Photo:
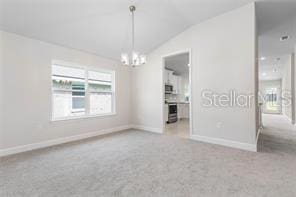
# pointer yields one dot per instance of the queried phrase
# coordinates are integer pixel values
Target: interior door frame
(190, 88)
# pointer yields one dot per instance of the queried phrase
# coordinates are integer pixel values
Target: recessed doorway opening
(177, 94)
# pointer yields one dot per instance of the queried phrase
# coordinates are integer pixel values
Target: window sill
(82, 117)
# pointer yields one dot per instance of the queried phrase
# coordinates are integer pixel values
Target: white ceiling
(275, 19)
(270, 69)
(103, 26)
(178, 63)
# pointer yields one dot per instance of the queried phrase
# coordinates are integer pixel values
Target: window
(271, 99)
(80, 93)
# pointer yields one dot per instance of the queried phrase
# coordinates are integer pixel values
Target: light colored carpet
(137, 163)
(277, 128)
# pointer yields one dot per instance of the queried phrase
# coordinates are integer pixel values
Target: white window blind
(80, 92)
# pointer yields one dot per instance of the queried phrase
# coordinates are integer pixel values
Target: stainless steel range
(173, 113)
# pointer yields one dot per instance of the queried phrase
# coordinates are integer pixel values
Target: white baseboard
(28, 147)
(258, 134)
(151, 129)
(223, 142)
(44, 144)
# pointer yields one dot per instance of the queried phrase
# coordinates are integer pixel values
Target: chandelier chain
(133, 30)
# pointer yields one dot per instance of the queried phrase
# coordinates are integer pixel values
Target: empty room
(147, 98)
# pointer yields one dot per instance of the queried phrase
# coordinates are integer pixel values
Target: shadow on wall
(274, 10)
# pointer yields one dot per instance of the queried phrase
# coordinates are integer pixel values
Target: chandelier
(134, 58)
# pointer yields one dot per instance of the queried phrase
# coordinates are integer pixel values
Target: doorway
(176, 105)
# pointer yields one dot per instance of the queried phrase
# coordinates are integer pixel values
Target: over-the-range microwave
(169, 89)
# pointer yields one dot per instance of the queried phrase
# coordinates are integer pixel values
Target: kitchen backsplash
(176, 98)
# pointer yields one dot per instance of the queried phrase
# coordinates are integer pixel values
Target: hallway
(277, 129)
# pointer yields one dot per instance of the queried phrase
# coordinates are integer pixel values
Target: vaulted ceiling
(103, 26)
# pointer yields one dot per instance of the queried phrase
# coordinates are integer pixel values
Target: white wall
(287, 86)
(294, 64)
(27, 80)
(223, 59)
(293, 80)
(1, 92)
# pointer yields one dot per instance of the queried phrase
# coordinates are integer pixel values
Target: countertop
(177, 102)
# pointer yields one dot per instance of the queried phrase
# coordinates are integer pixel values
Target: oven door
(172, 113)
(173, 109)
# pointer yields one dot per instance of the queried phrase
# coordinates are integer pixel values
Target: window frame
(87, 91)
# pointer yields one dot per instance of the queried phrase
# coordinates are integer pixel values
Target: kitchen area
(177, 95)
